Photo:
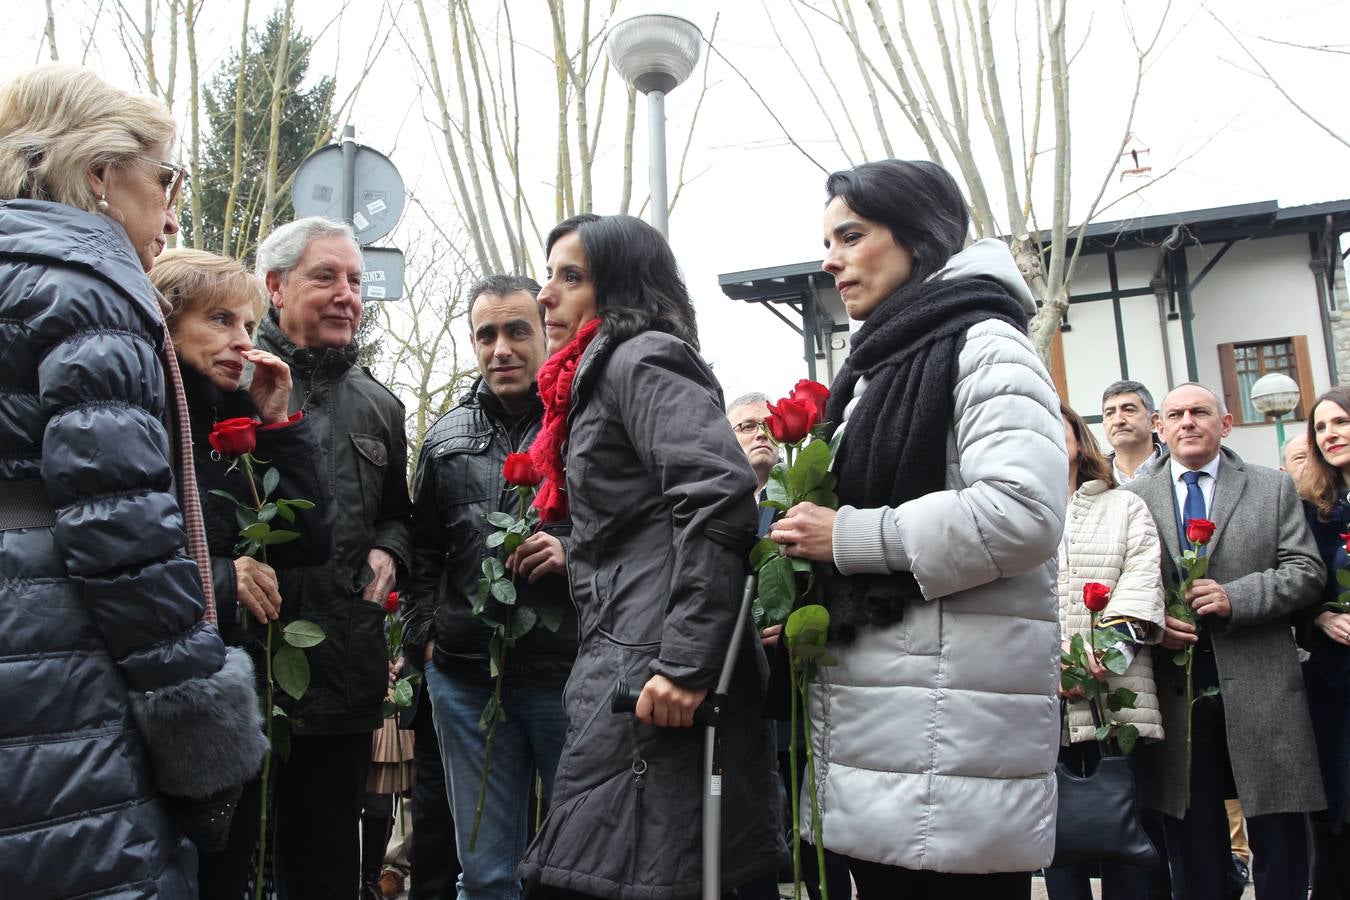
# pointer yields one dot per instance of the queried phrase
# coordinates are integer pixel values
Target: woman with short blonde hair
(139, 726)
(61, 122)
(215, 306)
(192, 279)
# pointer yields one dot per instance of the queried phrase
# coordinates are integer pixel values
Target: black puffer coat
(359, 424)
(115, 691)
(651, 461)
(293, 450)
(459, 480)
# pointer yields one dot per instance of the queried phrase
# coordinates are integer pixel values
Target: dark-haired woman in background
(1325, 634)
(937, 732)
(1109, 538)
(634, 418)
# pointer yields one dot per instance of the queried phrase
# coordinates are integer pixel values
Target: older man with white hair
(312, 271)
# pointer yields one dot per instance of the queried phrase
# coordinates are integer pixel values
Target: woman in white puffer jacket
(1110, 538)
(935, 735)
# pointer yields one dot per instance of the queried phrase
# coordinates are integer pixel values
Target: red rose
(1345, 538)
(1199, 531)
(234, 437)
(813, 391)
(519, 471)
(791, 419)
(1096, 595)
(391, 602)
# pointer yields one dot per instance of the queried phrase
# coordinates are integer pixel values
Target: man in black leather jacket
(312, 269)
(458, 481)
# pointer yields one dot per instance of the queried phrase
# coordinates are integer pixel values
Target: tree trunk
(194, 122)
(50, 33)
(237, 165)
(274, 126)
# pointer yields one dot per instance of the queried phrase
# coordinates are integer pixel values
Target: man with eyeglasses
(747, 414)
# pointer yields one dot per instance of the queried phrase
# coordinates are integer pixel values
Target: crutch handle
(626, 697)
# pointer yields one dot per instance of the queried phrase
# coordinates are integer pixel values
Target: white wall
(1261, 289)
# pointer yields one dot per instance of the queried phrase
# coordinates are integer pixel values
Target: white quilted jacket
(1109, 537)
(937, 736)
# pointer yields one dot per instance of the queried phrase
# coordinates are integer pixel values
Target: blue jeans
(529, 738)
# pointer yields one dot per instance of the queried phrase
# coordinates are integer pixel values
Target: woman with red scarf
(637, 450)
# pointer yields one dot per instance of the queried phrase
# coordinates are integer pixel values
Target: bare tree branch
(1275, 82)
(768, 109)
(50, 33)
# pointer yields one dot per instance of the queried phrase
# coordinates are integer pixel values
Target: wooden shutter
(1304, 376)
(1228, 373)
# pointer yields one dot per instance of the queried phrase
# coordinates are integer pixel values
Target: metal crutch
(708, 714)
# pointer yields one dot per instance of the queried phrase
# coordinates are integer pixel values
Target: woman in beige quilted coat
(1109, 537)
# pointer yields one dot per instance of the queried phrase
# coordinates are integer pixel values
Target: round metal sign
(379, 195)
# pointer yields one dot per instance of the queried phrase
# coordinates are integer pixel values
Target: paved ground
(1037, 891)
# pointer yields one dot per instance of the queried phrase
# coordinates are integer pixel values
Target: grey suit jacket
(1264, 556)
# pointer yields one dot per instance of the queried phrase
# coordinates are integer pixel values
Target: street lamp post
(655, 52)
(1276, 395)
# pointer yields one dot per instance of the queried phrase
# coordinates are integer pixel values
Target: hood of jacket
(40, 228)
(990, 258)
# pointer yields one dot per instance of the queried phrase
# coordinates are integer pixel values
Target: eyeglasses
(749, 426)
(171, 187)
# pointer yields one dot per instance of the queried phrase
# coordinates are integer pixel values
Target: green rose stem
(269, 699)
(1092, 697)
(796, 787)
(491, 735)
(1190, 716)
(817, 827)
(504, 632)
(1192, 569)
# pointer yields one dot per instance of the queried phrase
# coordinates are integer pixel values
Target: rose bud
(234, 437)
(391, 602)
(1096, 595)
(1199, 531)
(789, 421)
(518, 470)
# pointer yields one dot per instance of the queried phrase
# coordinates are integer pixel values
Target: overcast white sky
(752, 200)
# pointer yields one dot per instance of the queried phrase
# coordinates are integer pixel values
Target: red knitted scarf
(546, 452)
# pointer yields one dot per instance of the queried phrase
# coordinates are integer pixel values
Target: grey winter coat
(650, 461)
(360, 426)
(937, 736)
(116, 693)
(1265, 558)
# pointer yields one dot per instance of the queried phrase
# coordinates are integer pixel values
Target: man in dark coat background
(1254, 738)
(460, 480)
(312, 270)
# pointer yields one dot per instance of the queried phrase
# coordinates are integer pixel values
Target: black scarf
(895, 446)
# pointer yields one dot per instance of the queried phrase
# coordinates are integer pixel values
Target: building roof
(1221, 223)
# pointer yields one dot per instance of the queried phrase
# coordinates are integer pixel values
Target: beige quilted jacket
(1109, 536)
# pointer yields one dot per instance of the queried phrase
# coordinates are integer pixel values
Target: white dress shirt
(1210, 469)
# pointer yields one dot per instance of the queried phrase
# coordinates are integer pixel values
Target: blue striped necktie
(1194, 508)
